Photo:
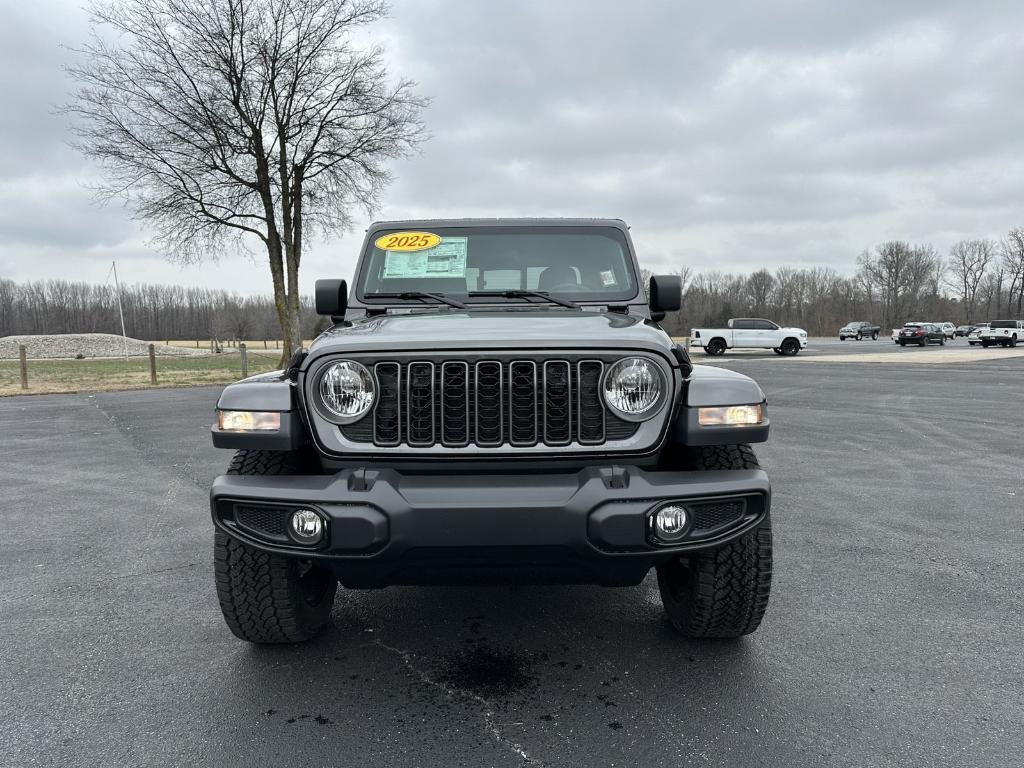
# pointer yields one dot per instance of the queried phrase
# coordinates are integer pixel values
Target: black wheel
(790, 347)
(901, 343)
(776, 350)
(858, 337)
(922, 343)
(842, 338)
(1013, 341)
(715, 347)
(721, 592)
(874, 335)
(942, 341)
(267, 598)
(984, 344)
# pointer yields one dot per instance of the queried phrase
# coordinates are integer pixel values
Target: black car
(921, 334)
(963, 330)
(493, 401)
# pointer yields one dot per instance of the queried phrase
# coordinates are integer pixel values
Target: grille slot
(489, 403)
(420, 404)
(522, 403)
(387, 416)
(455, 403)
(490, 411)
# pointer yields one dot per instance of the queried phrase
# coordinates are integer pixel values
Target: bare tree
(901, 273)
(233, 121)
(968, 262)
(1012, 248)
(758, 288)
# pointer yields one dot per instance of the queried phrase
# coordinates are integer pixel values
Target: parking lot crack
(491, 726)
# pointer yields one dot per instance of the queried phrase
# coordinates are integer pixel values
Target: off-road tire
(790, 347)
(267, 598)
(723, 592)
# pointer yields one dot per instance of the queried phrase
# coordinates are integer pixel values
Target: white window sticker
(447, 259)
(607, 277)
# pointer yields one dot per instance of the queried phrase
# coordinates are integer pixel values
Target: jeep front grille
(489, 403)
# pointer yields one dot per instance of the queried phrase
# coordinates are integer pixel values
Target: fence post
(24, 366)
(152, 364)
(245, 359)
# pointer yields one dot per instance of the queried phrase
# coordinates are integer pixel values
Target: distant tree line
(151, 312)
(895, 282)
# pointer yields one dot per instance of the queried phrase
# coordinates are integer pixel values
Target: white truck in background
(749, 333)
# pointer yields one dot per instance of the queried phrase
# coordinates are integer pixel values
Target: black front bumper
(591, 526)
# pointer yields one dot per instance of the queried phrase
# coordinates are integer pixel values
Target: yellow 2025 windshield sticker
(407, 241)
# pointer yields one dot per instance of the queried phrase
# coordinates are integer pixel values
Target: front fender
(709, 386)
(273, 391)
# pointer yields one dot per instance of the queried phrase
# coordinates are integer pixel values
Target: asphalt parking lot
(893, 636)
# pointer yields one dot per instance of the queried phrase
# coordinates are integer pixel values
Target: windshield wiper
(419, 295)
(519, 293)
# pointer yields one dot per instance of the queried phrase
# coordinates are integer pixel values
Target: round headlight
(634, 388)
(347, 391)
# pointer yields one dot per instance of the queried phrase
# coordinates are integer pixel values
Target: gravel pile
(85, 344)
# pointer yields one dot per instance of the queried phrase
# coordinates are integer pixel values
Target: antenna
(120, 309)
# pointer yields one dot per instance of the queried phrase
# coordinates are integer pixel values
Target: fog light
(670, 522)
(307, 526)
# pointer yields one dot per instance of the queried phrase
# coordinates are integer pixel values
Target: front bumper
(591, 526)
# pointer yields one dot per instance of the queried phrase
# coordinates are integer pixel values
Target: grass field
(90, 375)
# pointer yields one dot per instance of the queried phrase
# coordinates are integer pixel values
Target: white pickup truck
(749, 333)
(1006, 333)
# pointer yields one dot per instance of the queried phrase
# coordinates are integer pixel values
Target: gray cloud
(758, 134)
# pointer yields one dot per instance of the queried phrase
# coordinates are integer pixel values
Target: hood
(490, 329)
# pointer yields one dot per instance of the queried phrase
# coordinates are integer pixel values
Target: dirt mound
(86, 345)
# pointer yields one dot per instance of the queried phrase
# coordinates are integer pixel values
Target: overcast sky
(728, 135)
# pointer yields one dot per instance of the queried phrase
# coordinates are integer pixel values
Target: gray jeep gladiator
(494, 401)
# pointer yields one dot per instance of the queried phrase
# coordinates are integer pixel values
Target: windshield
(578, 263)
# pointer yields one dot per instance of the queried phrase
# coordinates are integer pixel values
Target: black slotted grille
(489, 403)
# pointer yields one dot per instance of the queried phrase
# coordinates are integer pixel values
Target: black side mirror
(665, 293)
(331, 297)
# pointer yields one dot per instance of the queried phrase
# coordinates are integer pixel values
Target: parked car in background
(896, 331)
(1003, 332)
(963, 330)
(921, 334)
(749, 333)
(974, 337)
(858, 330)
(948, 329)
